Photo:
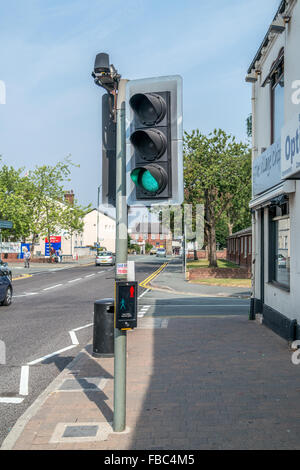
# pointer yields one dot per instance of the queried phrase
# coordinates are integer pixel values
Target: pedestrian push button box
(126, 305)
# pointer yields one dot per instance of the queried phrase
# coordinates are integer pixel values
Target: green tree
(238, 212)
(212, 177)
(50, 212)
(14, 191)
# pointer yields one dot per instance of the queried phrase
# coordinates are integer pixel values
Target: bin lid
(107, 301)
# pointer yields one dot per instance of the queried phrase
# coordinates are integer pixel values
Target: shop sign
(290, 148)
(266, 169)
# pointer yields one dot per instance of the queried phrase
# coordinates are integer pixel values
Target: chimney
(69, 197)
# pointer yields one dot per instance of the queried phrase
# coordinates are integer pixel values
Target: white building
(275, 77)
(98, 226)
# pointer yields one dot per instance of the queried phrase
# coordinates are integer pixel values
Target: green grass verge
(203, 263)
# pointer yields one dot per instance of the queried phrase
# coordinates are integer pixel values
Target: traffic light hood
(149, 107)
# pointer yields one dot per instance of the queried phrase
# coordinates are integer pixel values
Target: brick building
(239, 248)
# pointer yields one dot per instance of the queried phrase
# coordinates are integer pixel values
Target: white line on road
(74, 280)
(90, 275)
(142, 295)
(14, 400)
(74, 337)
(82, 327)
(24, 380)
(53, 287)
(41, 359)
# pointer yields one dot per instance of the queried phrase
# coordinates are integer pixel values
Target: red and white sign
(53, 239)
(122, 268)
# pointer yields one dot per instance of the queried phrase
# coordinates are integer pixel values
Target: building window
(280, 244)
(277, 101)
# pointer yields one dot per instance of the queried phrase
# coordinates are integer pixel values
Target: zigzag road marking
(24, 378)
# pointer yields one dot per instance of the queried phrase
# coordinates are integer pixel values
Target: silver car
(105, 257)
(161, 252)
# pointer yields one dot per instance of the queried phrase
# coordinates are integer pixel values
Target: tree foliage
(217, 174)
(36, 204)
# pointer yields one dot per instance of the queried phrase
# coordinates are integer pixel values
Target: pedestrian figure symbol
(123, 306)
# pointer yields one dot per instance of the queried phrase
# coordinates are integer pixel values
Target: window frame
(275, 77)
(273, 248)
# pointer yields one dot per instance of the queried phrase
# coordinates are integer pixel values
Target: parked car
(161, 252)
(105, 257)
(6, 289)
(5, 269)
(281, 261)
(153, 251)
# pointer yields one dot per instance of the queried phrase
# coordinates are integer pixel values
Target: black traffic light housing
(126, 305)
(108, 151)
(154, 141)
(151, 141)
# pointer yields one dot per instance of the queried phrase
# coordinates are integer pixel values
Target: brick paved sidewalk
(196, 383)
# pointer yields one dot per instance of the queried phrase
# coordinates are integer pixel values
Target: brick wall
(202, 254)
(218, 273)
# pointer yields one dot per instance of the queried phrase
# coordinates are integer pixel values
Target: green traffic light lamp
(151, 179)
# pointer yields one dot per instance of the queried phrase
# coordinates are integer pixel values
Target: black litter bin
(103, 337)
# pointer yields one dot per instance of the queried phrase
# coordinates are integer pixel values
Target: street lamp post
(106, 76)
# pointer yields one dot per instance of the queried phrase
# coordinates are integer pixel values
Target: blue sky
(47, 51)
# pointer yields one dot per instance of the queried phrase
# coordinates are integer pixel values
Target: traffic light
(126, 305)
(108, 151)
(154, 141)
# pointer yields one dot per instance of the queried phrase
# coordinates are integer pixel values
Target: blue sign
(290, 142)
(6, 224)
(56, 247)
(266, 169)
(24, 245)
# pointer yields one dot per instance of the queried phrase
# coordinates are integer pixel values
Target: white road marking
(145, 292)
(90, 275)
(41, 359)
(74, 337)
(74, 280)
(14, 400)
(24, 380)
(143, 311)
(82, 327)
(53, 287)
(32, 293)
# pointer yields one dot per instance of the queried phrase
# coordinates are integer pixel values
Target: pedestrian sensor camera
(101, 63)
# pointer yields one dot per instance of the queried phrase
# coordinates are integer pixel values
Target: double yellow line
(150, 278)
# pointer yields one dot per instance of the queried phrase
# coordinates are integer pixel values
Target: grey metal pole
(120, 339)
(98, 203)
